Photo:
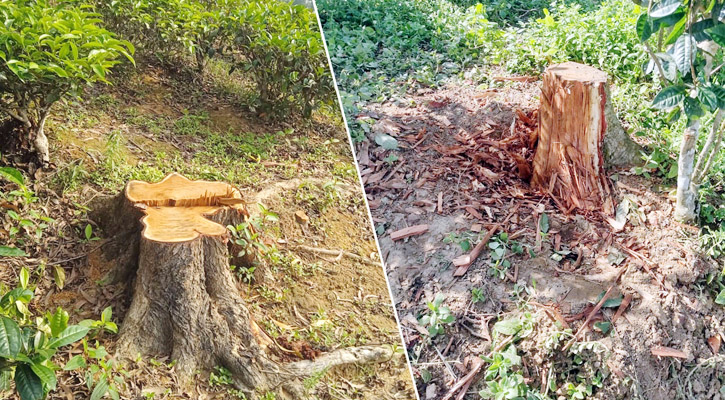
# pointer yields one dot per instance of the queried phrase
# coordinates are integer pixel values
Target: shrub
(50, 51)
(282, 48)
(604, 38)
(275, 42)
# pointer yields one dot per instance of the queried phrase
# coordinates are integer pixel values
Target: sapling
(688, 36)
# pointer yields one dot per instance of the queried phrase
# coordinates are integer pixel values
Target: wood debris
(410, 231)
(662, 351)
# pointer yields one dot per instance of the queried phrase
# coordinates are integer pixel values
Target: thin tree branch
(706, 149)
(713, 154)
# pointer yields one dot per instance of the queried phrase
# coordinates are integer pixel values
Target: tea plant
(50, 50)
(28, 342)
(438, 318)
(685, 42)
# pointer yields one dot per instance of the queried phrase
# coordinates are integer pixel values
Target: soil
(309, 302)
(460, 172)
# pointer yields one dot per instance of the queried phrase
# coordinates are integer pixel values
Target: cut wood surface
(410, 231)
(176, 209)
(569, 162)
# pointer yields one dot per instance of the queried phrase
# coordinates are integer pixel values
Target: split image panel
(180, 212)
(545, 181)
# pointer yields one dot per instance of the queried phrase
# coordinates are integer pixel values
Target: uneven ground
(157, 124)
(463, 149)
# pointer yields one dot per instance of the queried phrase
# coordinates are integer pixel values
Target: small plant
(88, 234)
(246, 237)
(104, 375)
(477, 295)
(30, 361)
(499, 247)
(438, 318)
(246, 274)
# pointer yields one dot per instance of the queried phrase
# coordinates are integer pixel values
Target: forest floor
(156, 123)
(462, 150)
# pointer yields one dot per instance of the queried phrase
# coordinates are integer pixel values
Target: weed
(499, 246)
(477, 295)
(438, 318)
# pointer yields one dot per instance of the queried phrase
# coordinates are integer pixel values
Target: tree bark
(687, 187)
(569, 161)
(186, 305)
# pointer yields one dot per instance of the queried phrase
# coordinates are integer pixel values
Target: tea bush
(281, 47)
(50, 51)
(277, 44)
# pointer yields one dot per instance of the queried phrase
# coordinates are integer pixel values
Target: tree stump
(569, 161)
(185, 303)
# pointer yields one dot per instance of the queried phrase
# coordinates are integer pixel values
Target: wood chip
(440, 202)
(662, 351)
(714, 342)
(410, 231)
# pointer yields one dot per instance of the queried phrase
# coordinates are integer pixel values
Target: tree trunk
(40, 142)
(186, 304)
(569, 162)
(687, 187)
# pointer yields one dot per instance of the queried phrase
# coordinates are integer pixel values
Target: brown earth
(459, 171)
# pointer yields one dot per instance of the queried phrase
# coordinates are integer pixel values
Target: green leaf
(46, 375)
(721, 298)
(13, 175)
(387, 142)
(677, 31)
(509, 327)
(720, 93)
(669, 97)
(644, 27)
(544, 223)
(100, 390)
(88, 232)
(684, 52)
(70, 335)
(6, 375)
(75, 363)
(664, 8)
(58, 322)
(10, 338)
(24, 278)
(717, 33)
(28, 384)
(107, 314)
(6, 251)
(693, 108)
(708, 98)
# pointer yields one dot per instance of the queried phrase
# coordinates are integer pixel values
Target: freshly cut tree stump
(569, 162)
(186, 305)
